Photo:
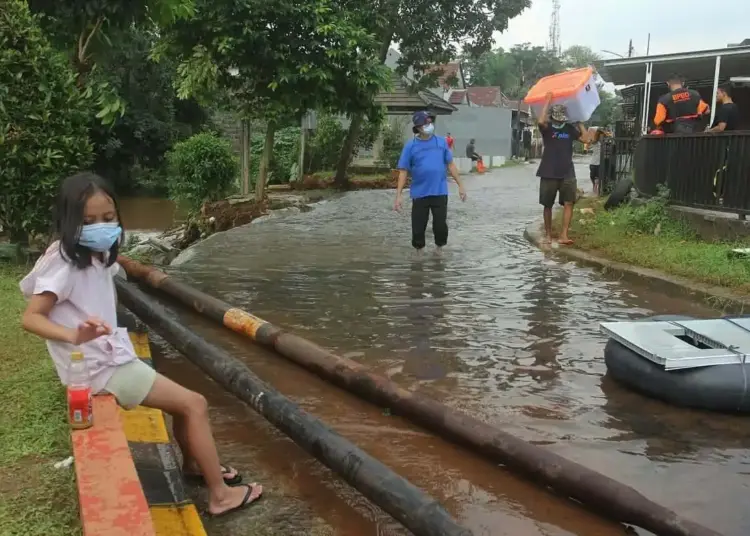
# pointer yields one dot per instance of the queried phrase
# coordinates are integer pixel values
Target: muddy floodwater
(494, 328)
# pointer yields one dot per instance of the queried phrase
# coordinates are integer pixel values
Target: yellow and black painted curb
(172, 511)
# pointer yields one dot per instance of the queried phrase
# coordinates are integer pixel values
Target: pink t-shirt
(80, 295)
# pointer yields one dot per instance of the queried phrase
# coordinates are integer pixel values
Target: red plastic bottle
(80, 407)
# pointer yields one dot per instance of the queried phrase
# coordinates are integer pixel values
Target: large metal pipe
(409, 505)
(598, 492)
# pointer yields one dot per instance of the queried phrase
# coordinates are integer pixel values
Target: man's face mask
(428, 129)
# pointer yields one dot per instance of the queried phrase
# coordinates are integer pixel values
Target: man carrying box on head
(557, 175)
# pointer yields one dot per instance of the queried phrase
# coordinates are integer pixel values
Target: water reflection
(424, 313)
(545, 298)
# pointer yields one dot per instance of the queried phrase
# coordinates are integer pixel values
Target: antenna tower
(554, 30)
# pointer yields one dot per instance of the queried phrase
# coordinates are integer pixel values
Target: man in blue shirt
(426, 157)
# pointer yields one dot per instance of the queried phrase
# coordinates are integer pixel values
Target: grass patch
(649, 236)
(513, 163)
(35, 498)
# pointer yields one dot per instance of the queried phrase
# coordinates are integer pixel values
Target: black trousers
(420, 215)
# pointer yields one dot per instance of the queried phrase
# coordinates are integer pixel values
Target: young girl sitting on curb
(72, 305)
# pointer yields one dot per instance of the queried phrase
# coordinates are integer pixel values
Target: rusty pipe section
(409, 505)
(598, 492)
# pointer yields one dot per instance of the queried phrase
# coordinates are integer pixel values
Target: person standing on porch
(681, 109)
(557, 174)
(427, 158)
(727, 113)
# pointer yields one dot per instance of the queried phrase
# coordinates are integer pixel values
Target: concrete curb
(718, 297)
(129, 481)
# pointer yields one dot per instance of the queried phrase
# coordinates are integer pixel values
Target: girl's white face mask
(100, 237)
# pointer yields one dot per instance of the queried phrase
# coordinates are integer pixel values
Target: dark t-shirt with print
(557, 158)
(728, 113)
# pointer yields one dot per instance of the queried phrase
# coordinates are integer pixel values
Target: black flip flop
(243, 504)
(198, 479)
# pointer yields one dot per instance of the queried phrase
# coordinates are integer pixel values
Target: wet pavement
(494, 328)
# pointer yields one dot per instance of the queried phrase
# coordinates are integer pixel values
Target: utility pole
(630, 49)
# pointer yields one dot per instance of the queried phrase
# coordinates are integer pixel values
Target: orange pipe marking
(243, 322)
(110, 493)
(153, 276)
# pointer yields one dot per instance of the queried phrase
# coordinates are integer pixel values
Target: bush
(325, 145)
(202, 168)
(43, 123)
(393, 143)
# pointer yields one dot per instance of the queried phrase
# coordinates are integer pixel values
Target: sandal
(246, 501)
(232, 481)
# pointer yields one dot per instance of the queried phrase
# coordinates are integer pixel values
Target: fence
(704, 170)
(618, 154)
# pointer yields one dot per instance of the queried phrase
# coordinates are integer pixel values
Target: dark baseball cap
(420, 118)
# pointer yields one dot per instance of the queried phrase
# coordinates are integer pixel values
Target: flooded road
(494, 328)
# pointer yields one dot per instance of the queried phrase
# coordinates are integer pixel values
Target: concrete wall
(490, 127)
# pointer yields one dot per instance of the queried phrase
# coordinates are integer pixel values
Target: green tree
(130, 152)
(514, 70)
(427, 32)
(43, 123)
(86, 29)
(580, 56)
(277, 59)
(609, 110)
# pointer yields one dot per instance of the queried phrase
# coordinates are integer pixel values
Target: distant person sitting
(727, 113)
(450, 140)
(681, 110)
(472, 153)
(557, 175)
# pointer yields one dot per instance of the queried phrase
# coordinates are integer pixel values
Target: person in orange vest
(681, 109)
(451, 141)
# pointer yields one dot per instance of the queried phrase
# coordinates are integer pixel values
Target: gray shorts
(131, 383)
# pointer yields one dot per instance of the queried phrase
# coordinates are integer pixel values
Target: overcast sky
(675, 25)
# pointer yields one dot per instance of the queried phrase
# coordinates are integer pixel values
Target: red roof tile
(450, 72)
(485, 96)
(457, 96)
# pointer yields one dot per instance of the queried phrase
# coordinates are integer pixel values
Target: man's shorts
(549, 188)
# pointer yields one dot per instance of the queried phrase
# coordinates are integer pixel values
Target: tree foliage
(578, 56)
(278, 58)
(88, 29)
(514, 71)
(43, 123)
(130, 152)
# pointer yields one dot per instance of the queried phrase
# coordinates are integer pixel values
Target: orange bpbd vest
(682, 107)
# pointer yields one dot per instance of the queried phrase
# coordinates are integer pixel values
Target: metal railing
(702, 170)
(617, 155)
